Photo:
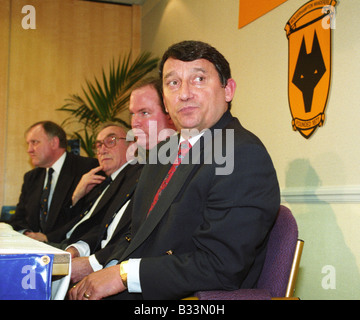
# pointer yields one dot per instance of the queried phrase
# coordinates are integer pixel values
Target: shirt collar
(115, 174)
(192, 140)
(58, 163)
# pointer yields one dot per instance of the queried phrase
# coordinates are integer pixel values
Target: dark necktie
(89, 207)
(44, 206)
(183, 150)
(104, 184)
(95, 195)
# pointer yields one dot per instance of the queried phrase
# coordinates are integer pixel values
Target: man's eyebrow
(196, 69)
(199, 70)
(109, 135)
(143, 110)
(169, 74)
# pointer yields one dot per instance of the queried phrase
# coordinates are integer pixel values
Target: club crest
(309, 35)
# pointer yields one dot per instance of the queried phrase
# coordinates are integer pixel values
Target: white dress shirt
(82, 247)
(57, 166)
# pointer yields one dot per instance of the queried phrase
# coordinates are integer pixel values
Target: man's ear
(169, 120)
(166, 109)
(230, 90)
(55, 142)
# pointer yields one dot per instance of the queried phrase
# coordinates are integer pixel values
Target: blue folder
(25, 276)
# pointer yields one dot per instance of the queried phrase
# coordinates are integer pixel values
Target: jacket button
(169, 252)
(128, 239)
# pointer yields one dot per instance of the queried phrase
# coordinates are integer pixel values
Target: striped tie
(44, 205)
(183, 150)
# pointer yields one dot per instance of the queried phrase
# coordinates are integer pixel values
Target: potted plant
(103, 102)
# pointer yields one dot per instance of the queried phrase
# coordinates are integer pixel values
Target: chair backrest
(280, 254)
(7, 212)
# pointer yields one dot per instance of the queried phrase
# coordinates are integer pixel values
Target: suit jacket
(93, 229)
(207, 231)
(27, 215)
(119, 238)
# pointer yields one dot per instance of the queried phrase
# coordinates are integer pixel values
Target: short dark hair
(194, 50)
(156, 83)
(52, 130)
(106, 124)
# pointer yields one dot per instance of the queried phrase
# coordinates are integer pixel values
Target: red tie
(183, 150)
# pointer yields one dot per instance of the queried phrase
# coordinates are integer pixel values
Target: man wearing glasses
(91, 249)
(192, 228)
(105, 188)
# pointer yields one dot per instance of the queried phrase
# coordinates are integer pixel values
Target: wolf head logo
(309, 65)
(309, 69)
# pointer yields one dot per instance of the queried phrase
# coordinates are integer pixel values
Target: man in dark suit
(97, 199)
(98, 189)
(209, 228)
(47, 149)
(92, 249)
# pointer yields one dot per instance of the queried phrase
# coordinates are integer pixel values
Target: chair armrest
(241, 294)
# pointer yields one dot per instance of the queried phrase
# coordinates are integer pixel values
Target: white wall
(319, 177)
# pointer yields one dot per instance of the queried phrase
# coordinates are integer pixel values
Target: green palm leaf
(102, 102)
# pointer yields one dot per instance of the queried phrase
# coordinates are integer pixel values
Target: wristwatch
(123, 272)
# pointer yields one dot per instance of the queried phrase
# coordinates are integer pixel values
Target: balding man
(47, 149)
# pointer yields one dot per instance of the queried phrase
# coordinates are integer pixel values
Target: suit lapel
(142, 200)
(38, 185)
(125, 193)
(165, 200)
(196, 154)
(109, 193)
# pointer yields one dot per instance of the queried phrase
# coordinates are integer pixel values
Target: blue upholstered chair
(278, 277)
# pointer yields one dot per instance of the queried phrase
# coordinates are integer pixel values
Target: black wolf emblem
(310, 68)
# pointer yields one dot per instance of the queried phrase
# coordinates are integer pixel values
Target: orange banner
(250, 10)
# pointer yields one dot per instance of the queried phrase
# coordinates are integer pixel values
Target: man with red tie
(208, 228)
(150, 124)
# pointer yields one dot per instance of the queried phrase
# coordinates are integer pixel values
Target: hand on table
(98, 285)
(36, 236)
